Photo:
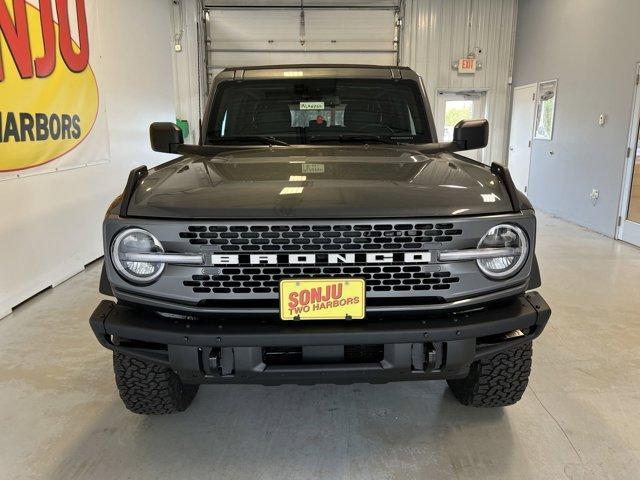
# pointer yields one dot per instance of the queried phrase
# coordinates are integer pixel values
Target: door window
(454, 111)
(633, 214)
(452, 107)
(629, 219)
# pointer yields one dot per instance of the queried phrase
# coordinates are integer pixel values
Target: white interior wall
(437, 32)
(592, 48)
(50, 225)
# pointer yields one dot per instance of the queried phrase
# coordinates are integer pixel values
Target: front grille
(321, 237)
(266, 279)
(399, 259)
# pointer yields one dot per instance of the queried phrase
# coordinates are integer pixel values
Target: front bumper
(209, 351)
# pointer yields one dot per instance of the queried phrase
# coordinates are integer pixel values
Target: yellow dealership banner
(50, 113)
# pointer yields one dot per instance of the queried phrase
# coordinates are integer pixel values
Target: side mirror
(471, 134)
(165, 137)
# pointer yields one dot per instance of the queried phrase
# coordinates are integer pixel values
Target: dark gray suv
(319, 233)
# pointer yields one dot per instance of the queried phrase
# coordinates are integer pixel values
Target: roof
(327, 70)
(314, 65)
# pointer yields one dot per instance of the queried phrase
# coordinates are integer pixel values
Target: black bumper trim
(451, 306)
(185, 341)
(126, 322)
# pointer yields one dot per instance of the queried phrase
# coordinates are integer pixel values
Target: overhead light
(292, 73)
(458, 212)
(489, 197)
(297, 178)
(291, 190)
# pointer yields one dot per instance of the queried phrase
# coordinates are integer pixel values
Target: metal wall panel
(438, 32)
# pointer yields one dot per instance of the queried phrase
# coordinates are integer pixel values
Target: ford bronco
(319, 233)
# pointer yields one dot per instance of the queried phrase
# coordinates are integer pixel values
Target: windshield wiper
(352, 138)
(366, 138)
(253, 138)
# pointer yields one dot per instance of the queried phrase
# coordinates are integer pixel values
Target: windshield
(300, 111)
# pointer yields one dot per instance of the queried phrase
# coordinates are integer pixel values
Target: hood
(319, 182)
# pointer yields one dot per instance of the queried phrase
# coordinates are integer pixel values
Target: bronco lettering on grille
(321, 258)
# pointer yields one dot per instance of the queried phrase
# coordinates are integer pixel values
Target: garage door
(319, 32)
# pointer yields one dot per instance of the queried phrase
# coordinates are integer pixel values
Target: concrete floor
(61, 418)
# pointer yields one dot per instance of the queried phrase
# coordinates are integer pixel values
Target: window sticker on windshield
(328, 116)
(312, 168)
(311, 105)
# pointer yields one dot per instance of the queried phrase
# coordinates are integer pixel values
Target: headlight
(504, 236)
(133, 241)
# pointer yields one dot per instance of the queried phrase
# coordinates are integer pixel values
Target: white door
(453, 106)
(521, 136)
(629, 223)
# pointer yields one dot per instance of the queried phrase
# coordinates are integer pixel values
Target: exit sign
(467, 65)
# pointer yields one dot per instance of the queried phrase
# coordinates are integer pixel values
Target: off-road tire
(495, 381)
(150, 389)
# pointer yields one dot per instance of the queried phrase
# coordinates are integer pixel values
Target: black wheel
(150, 389)
(495, 381)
